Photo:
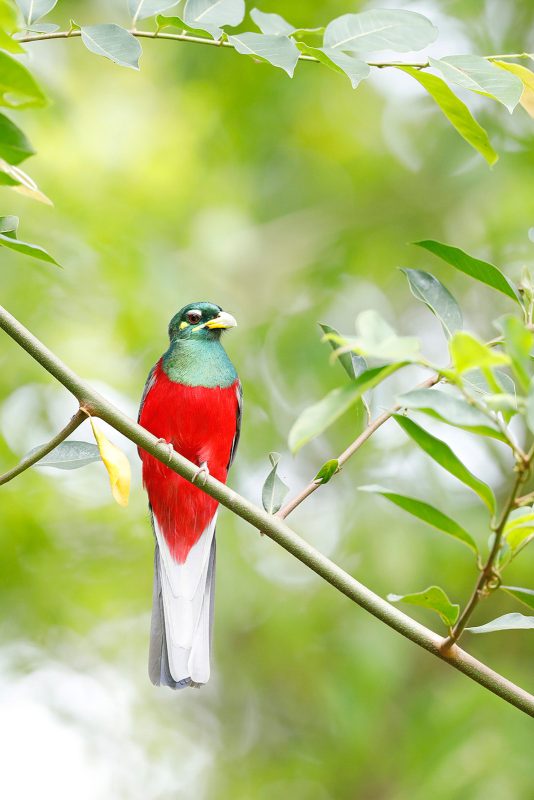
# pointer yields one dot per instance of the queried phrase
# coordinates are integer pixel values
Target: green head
(201, 322)
(195, 356)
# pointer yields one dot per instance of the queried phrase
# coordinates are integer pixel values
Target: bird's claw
(168, 447)
(202, 474)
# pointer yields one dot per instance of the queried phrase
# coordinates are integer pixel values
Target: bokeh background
(288, 202)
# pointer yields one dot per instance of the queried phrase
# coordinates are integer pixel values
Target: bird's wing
(239, 392)
(148, 386)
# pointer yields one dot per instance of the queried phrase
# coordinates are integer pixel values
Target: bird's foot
(168, 447)
(202, 474)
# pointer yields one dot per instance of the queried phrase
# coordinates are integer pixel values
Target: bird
(192, 401)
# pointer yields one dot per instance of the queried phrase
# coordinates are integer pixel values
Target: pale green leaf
(211, 15)
(455, 111)
(507, 622)
(113, 42)
(271, 24)
(9, 224)
(434, 598)
(69, 455)
(355, 69)
(380, 29)
(274, 489)
(277, 50)
(33, 10)
(474, 267)
(444, 456)
(481, 76)
(142, 9)
(427, 513)
(436, 297)
(526, 76)
(453, 410)
(530, 407)
(525, 596)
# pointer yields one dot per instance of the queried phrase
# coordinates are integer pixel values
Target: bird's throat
(198, 363)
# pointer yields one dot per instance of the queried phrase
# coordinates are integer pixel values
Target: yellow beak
(222, 320)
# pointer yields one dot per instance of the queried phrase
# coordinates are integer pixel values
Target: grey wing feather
(239, 390)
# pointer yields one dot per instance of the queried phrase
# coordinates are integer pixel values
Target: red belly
(201, 425)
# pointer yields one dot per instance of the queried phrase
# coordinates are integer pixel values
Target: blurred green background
(288, 202)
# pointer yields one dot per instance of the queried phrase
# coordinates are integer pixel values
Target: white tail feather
(186, 594)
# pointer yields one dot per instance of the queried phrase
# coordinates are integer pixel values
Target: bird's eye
(193, 317)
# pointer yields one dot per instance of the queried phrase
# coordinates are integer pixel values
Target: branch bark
(275, 528)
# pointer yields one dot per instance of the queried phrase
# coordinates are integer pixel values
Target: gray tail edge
(158, 659)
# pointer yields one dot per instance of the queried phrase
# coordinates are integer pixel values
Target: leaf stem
(41, 452)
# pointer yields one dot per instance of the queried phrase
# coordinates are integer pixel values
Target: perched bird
(192, 400)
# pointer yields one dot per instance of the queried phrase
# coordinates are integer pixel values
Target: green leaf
(479, 270)
(69, 455)
(530, 407)
(113, 42)
(355, 69)
(380, 29)
(436, 297)
(211, 15)
(327, 471)
(444, 456)
(271, 24)
(468, 353)
(426, 513)
(525, 596)
(142, 9)
(434, 598)
(519, 532)
(33, 250)
(480, 76)
(352, 364)
(18, 87)
(317, 418)
(277, 50)
(526, 76)
(14, 145)
(10, 44)
(34, 10)
(450, 409)
(42, 27)
(9, 224)
(508, 622)
(274, 489)
(456, 112)
(176, 22)
(518, 343)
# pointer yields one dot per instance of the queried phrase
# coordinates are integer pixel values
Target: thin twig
(350, 451)
(40, 452)
(269, 524)
(185, 37)
(487, 573)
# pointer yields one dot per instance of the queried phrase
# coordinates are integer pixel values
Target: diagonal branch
(97, 405)
(40, 452)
